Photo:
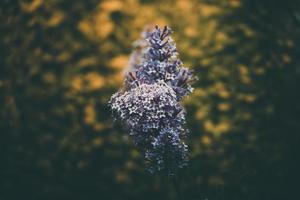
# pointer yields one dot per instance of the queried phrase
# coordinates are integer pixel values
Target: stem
(177, 188)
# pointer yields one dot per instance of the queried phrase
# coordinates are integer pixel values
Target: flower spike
(150, 105)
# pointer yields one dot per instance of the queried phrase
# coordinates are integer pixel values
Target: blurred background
(61, 60)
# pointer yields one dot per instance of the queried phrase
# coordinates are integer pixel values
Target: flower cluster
(149, 105)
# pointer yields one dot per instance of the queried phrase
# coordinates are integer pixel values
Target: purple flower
(149, 105)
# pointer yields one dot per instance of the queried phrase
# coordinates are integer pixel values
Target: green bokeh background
(61, 60)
